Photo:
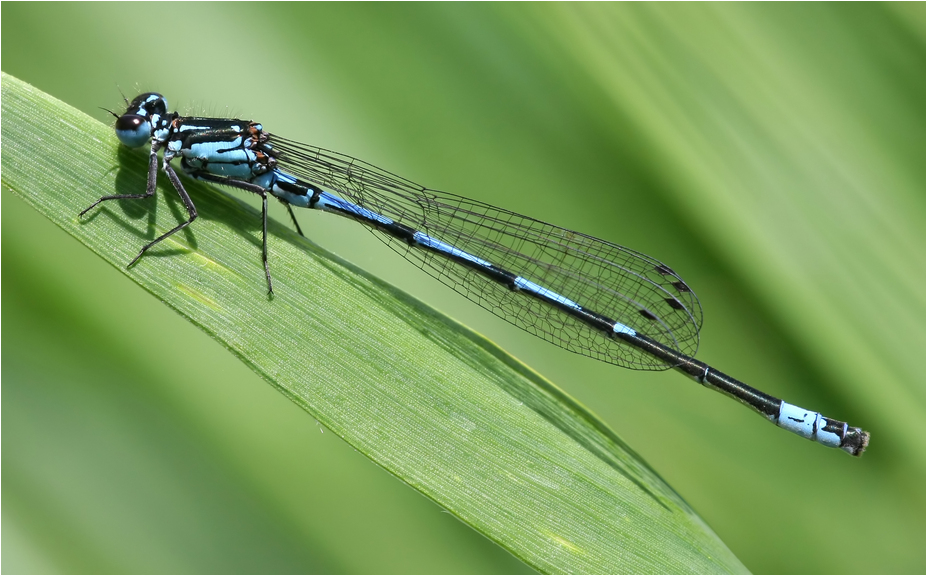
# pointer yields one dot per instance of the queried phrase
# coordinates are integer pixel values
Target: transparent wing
(605, 278)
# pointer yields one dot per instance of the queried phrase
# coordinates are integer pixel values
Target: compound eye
(133, 130)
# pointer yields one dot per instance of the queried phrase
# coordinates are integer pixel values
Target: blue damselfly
(586, 295)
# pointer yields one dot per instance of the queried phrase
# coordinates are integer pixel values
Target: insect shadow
(131, 178)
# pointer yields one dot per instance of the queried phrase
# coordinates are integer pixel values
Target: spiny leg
(270, 286)
(260, 191)
(149, 190)
(293, 218)
(191, 211)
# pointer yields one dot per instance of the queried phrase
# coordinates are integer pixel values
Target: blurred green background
(773, 155)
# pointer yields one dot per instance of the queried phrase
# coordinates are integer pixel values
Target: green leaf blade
(433, 403)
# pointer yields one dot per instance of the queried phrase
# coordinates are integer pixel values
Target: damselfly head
(144, 113)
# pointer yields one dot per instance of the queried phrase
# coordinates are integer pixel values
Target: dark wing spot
(647, 315)
(665, 270)
(681, 286)
(674, 304)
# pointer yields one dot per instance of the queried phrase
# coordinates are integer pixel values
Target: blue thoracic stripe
(657, 317)
(194, 127)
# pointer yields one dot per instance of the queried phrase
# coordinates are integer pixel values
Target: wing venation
(605, 278)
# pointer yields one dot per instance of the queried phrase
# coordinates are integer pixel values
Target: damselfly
(586, 295)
